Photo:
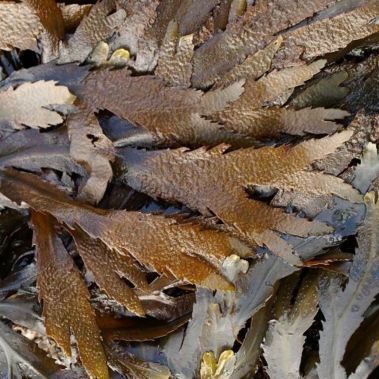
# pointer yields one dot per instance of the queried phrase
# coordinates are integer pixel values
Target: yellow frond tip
(120, 54)
(208, 365)
(119, 57)
(371, 198)
(213, 369)
(99, 54)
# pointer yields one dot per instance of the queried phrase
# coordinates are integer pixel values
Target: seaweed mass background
(189, 189)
